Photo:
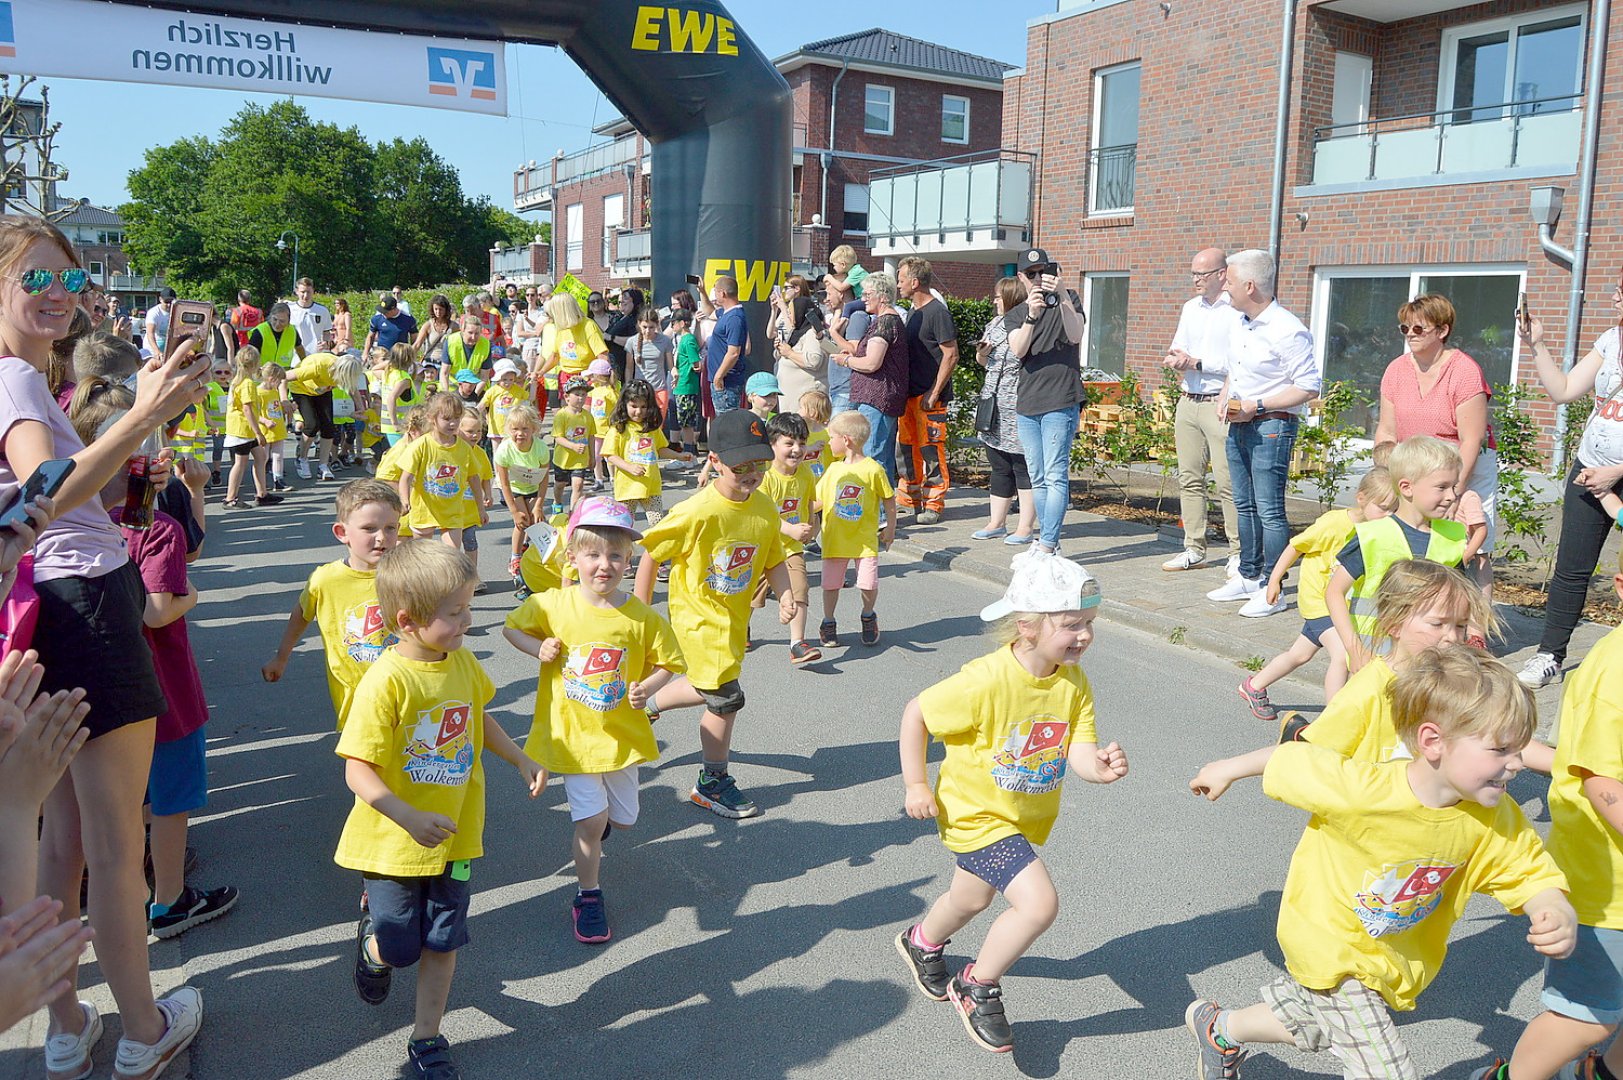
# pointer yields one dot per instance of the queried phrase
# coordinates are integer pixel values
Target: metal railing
(512, 261)
(985, 189)
(577, 166)
(1112, 178)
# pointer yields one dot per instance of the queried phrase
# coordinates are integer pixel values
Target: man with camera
(1045, 333)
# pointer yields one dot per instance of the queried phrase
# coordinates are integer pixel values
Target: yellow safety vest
(408, 398)
(456, 353)
(278, 348)
(1382, 543)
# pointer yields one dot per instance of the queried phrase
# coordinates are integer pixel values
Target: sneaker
(591, 920)
(804, 652)
(1236, 588)
(1491, 1072)
(513, 564)
(928, 967)
(67, 1057)
(1257, 701)
(267, 500)
(1212, 1062)
(1184, 560)
(479, 587)
(214, 477)
(371, 980)
(1582, 1069)
(870, 627)
(1231, 568)
(720, 796)
(302, 467)
(430, 1059)
(980, 1007)
(828, 633)
(183, 1010)
(663, 573)
(1258, 606)
(192, 908)
(279, 484)
(326, 473)
(1541, 669)
(929, 517)
(1291, 726)
(521, 591)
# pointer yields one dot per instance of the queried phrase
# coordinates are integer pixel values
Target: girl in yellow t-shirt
(573, 432)
(818, 410)
(602, 399)
(275, 407)
(1013, 723)
(245, 430)
(411, 429)
(438, 473)
(472, 431)
(633, 445)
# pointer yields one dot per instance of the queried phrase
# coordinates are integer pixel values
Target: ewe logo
(462, 73)
(8, 36)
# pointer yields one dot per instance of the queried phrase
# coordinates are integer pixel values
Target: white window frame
(1354, 72)
(1088, 278)
(610, 226)
(97, 271)
(574, 242)
(1093, 137)
(945, 112)
(890, 109)
(845, 208)
(1450, 49)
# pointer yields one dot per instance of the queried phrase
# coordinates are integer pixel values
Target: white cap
(507, 367)
(1044, 582)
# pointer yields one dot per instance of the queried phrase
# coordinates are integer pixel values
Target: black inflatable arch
(718, 115)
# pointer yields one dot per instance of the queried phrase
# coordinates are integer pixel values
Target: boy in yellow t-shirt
(412, 755)
(500, 397)
(793, 490)
(849, 497)
(1385, 867)
(1013, 723)
(573, 435)
(601, 401)
(342, 597)
(719, 542)
(438, 473)
(602, 653)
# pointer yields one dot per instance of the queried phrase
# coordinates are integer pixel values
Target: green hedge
(364, 305)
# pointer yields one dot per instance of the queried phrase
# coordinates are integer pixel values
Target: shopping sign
(138, 44)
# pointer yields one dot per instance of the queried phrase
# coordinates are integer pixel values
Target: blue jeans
(1259, 467)
(839, 387)
(725, 399)
(881, 444)
(1046, 439)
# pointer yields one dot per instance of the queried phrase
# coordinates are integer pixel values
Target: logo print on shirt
(440, 750)
(365, 636)
(1401, 896)
(848, 502)
(732, 568)
(592, 676)
(441, 481)
(642, 451)
(789, 509)
(1032, 760)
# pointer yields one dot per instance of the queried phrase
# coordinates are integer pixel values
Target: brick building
(865, 104)
(1416, 132)
(97, 236)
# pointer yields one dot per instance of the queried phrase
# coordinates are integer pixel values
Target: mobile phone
(1523, 319)
(195, 319)
(46, 481)
(695, 279)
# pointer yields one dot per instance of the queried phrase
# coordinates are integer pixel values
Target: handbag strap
(997, 384)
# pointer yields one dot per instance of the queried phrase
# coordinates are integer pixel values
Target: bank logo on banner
(462, 73)
(8, 36)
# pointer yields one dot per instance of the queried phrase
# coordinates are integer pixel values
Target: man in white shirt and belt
(1200, 351)
(1272, 376)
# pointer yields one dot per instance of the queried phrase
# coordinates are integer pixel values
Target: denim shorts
(1314, 629)
(410, 914)
(1588, 985)
(999, 862)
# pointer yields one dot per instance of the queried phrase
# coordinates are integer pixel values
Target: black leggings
(316, 412)
(1585, 525)
(1008, 472)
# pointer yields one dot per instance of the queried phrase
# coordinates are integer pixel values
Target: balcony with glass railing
(532, 185)
(1461, 145)
(972, 208)
(634, 252)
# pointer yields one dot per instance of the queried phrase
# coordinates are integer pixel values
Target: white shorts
(590, 794)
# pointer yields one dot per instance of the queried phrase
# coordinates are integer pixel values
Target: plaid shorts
(1351, 1021)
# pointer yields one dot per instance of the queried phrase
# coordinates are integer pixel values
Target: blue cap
(763, 384)
(466, 376)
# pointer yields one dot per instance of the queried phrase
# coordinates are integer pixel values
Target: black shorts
(999, 862)
(89, 635)
(724, 700)
(316, 412)
(243, 449)
(564, 476)
(410, 914)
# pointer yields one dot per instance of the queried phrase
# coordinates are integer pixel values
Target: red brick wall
(591, 192)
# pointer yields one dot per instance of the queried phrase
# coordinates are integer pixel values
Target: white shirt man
(310, 319)
(157, 325)
(400, 300)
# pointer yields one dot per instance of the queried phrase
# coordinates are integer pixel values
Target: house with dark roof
(869, 102)
(97, 236)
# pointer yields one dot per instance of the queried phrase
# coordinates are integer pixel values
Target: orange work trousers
(921, 461)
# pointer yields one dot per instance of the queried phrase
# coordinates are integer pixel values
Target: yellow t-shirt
(1378, 880)
(343, 603)
(483, 469)
(718, 550)
(389, 472)
(576, 347)
(577, 427)
(497, 403)
(1357, 723)
(1319, 543)
(793, 496)
(270, 405)
(818, 456)
(442, 479)
(583, 722)
(1581, 841)
(422, 725)
(600, 402)
(543, 573)
(850, 494)
(244, 395)
(638, 446)
(314, 376)
(1007, 734)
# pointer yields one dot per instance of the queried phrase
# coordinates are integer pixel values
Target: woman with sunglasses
(91, 601)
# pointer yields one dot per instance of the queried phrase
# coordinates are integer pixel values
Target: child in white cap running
(1012, 722)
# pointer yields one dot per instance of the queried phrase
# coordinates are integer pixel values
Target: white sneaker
(139, 1061)
(1236, 588)
(326, 474)
(1232, 567)
(67, 1057)
(303, 468)
(1541, 669)
(1184, 560)
(1258, 606)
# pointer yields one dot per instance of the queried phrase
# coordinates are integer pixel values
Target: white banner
(92, 39)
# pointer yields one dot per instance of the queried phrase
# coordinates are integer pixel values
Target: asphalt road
(761, 948)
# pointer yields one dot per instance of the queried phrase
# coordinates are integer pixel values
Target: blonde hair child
(440, 476)
(472, 431)
(247, 430)
(816, 407)
(521, 473)
(276, 407)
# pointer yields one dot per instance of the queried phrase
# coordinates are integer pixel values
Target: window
(879, 111)
(1531, 63)
(1349, 96)
(1113, 161)
(97, 271)
(614, 215)
(954, 119)
(1105, 300)
(574, 226)
(1355, 316)
(856, 209)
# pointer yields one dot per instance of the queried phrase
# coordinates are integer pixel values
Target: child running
(412, 755)
(246, 430)
(476, 508)
(1319, 543)
(632, 446)
(275, 406)
(440, 474)
(507, 391)
(850, 496)
(602, 654)
(1385, 867)
(342, 598)
(411, 429)
(521, 472)
(792, 489)
(1013, 723)
(573, 437)
(601, 400)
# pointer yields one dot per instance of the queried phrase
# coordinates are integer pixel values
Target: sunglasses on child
(36, 281)
(748, 468)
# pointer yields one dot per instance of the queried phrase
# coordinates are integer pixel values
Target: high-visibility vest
(343, 406)
(191, 434)
(1382, 544)
(278, 348)
(408, 398)
(215, 406)
(456, 354)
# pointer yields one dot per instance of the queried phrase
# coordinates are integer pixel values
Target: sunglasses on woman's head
(38, 280)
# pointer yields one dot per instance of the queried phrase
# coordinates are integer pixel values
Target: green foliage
(1577, 416)
(1253, 663)
(1327, 446)
(969, 318)
(1522, 517)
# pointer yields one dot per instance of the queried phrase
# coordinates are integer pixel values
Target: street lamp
(281, 245)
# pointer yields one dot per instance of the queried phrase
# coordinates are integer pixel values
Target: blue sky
(107, 126)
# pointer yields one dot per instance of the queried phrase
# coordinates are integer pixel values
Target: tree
(422, 212)
(162, 220)
(516, 230)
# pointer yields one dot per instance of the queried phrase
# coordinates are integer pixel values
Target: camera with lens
(1034, 263)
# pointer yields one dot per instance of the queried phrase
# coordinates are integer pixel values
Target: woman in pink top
(1435, 389)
